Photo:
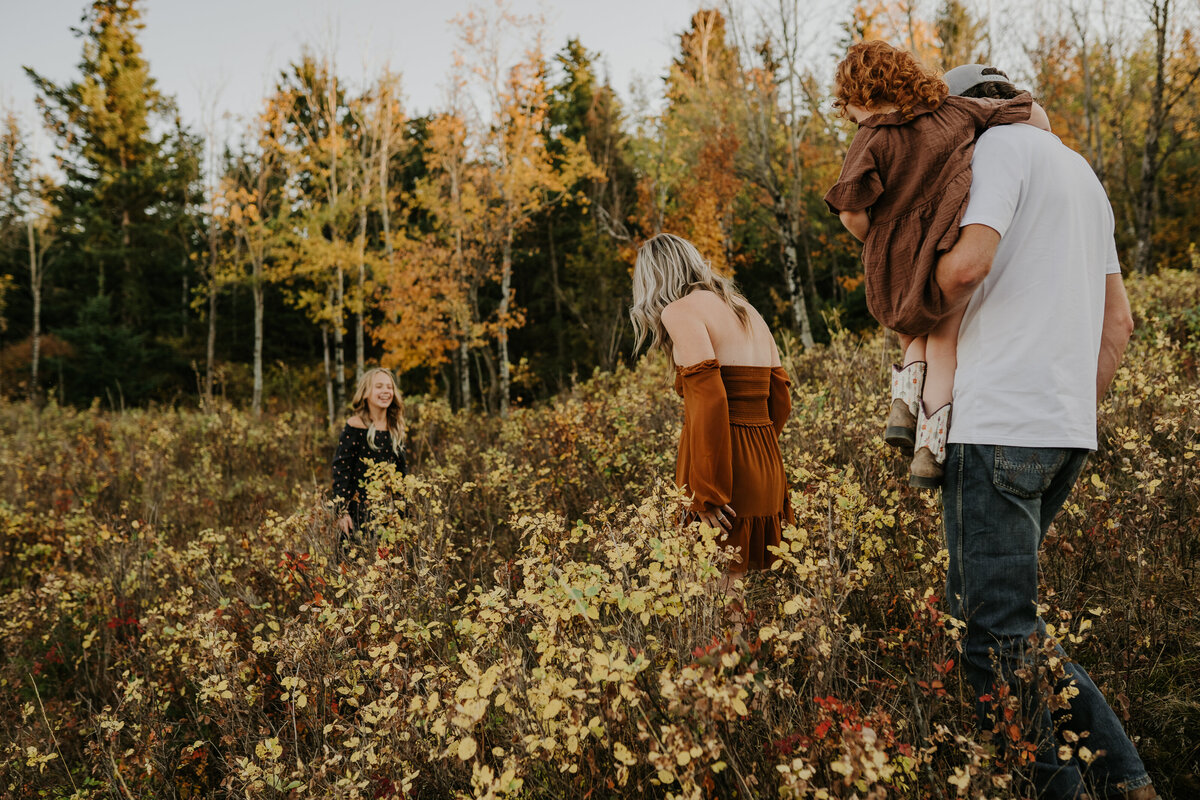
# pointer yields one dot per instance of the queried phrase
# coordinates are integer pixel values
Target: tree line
(483, 250)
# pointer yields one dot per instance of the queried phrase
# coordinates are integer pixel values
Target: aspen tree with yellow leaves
(522, 176)
(253, 199)
(27, 226)
(779, 116)
(454, 251)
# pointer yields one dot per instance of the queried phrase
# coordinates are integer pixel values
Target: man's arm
(964, 266)
(1114, 336)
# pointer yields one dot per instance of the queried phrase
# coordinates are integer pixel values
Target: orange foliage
(422, 303)
(704, 205)
(896, 22)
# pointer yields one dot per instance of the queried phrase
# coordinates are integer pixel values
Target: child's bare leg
(941, 355)
(914, 348)
(900, 430)
(933, 424)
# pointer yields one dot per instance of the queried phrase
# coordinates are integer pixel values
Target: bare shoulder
(684, 320)
(686, 304)
(356, 422)
(698, 303)
(682, 313)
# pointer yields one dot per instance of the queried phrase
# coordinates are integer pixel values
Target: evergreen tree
(130, 172)
(962, 39)
(578, 289)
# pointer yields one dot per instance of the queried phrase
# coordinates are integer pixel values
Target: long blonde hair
(669, 267)
(394, 413)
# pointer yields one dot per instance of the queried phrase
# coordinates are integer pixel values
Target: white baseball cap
(960, 79)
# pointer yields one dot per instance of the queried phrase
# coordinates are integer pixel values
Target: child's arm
(1038, 117)
(857, 222)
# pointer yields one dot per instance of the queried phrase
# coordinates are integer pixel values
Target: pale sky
(228, 53)
(222, 57)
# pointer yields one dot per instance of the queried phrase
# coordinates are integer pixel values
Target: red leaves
(822, 728)
(788, 745)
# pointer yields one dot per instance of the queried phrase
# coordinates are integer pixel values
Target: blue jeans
(998, 502)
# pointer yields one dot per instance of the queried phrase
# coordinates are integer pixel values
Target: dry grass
(175, 619)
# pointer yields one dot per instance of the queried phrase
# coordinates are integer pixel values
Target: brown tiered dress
(729, 451)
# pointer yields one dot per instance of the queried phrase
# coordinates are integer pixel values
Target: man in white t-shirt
(1046, 323)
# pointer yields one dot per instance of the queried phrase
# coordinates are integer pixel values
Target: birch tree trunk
(35, 285)
(328, 373)
(799, 308)
(359, 344)
(385, 146)
(775, 128)
(1091, 121)
(560, 344)
(339, 349)
(210, 345)
(1148, 183)
(502, 327)
(256, 286)
(464, 376)
(183, 300)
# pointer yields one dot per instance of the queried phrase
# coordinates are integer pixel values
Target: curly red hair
(875, 74)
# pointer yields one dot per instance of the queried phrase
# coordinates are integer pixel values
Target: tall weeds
(179, 619)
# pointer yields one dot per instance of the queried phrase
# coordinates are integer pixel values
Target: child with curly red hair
(902, 192)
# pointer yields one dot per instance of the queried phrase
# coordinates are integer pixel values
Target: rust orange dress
(729, 451)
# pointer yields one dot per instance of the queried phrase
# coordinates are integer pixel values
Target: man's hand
(345, 524)
(964, 266)
(1114, 336)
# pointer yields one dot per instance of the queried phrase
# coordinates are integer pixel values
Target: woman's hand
(719, 518)
(345, 524)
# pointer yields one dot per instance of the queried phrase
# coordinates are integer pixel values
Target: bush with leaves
(529, 619)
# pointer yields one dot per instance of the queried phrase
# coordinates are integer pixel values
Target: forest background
(483, 250)
(178, 615)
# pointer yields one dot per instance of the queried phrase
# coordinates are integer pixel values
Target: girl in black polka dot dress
(373, 435)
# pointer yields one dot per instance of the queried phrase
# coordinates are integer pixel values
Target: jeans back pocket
(1026, 472)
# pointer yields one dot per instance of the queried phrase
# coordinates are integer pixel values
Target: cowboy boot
(929, 462)
(907, 385)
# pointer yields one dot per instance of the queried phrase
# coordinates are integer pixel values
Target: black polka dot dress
(350, 463)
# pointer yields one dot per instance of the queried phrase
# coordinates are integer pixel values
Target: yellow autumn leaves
(531, 618)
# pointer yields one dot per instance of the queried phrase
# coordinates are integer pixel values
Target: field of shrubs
(177, 619)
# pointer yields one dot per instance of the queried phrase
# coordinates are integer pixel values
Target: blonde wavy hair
(669, 267)
(394, 414)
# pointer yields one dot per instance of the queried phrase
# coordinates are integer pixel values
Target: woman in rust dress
(735, 395)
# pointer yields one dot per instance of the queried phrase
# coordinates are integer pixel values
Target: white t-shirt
(1030, 337)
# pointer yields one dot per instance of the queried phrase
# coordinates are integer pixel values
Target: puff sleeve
(779, 401)
(705, 462)
(859, 185)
